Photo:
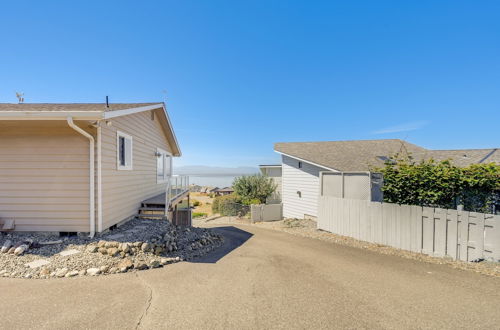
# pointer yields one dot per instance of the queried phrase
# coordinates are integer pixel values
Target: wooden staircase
(154, 208)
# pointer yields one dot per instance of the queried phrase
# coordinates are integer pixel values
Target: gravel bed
(136, 245)
(307, 228)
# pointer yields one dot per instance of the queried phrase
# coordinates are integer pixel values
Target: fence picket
(464, 235)
(440, 224)
(452, 234)
(428, 230)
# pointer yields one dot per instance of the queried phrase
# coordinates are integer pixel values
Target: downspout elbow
(91, 174)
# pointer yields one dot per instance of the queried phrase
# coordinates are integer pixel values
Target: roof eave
(308, 161)
(50, 115)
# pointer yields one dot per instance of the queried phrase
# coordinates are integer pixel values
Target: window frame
(164, 154)
(119, 166)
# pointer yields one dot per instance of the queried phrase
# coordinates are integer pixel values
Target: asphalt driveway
(262, 279)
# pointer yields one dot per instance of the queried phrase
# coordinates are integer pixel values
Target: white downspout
(91, 173)
(99, 178)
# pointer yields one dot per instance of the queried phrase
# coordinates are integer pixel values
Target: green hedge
(441, 184)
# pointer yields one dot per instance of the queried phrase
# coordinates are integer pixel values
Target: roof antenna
(20, 97)
(107, 102)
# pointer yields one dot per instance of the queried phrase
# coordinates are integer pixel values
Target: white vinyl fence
(460, 235)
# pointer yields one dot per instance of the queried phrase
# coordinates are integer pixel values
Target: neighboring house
(223, 191)
(213, 190)
(82, 167)
(273, 172)
(303, 161)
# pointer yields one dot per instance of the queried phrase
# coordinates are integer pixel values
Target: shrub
(199, 214)
(229, 205)
(440, 184)
(254, 188)
(196, 202)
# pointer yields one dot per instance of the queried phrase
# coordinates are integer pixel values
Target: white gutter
(91, 173)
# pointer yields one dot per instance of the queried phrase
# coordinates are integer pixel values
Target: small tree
(254, 188)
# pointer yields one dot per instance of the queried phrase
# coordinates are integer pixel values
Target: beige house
(83, 167)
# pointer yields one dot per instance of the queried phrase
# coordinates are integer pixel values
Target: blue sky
(240, 75)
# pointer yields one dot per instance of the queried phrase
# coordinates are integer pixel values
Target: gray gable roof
(362, 155)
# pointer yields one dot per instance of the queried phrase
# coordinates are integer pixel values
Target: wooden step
(154, 209)
(150, 216)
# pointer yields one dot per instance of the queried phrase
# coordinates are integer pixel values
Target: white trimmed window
(163, 165)
(123, 151)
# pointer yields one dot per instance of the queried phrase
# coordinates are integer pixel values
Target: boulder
(125, 263)
(92, 248)
(159, 250)
(93, 271)
(111, 244)
(21, 249)
(113, 251)
(145, 247)
(140, 265)
(154, 264)
(61, 272)
(6, 246)
(104, 269)
(103, 250)
(44, 272)
(124, 247)
(101, 244)
(71, 273)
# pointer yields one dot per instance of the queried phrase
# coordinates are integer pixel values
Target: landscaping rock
(6, 246)
(125, 263)
(154, 264)
(111, 244)
(61, 272)
(93, 271)
(113, 252)
(20, 249)
(72, 273)
(145, 247)
(92, 249)
(140, 266)
(150, 244)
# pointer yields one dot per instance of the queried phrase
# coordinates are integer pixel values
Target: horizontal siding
(44, 177)
(305, 180)
(123, 191)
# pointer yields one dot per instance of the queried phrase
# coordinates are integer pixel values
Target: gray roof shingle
(363, 155)
(71, 106)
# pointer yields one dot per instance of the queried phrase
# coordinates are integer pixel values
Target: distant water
(214, 181)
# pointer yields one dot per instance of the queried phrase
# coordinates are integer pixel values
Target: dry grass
(205, 203)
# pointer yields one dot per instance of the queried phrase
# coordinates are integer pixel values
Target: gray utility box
(266, 212)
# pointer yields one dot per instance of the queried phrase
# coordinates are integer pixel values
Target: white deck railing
(177, 185)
